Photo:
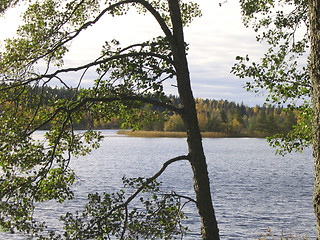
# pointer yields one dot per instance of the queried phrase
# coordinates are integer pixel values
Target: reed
(213, 135)
(270, 236)
(154, 134)
(160, 134)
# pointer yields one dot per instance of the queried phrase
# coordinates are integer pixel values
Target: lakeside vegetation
(153, 134)
(159, 134)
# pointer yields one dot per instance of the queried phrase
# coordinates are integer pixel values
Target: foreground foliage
(154, 215)
(124, 80)
(283, 70)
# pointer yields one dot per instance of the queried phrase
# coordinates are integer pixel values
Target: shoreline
(162, 134)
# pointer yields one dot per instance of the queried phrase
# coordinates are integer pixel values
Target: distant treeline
(231, 118)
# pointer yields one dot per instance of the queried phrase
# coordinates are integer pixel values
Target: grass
(270, 236)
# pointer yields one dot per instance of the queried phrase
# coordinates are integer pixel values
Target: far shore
(162, 134)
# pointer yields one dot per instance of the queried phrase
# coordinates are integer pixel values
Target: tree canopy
(283, 70)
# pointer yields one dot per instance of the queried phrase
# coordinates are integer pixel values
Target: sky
(214, 39)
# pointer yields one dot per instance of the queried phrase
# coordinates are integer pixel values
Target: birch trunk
(209, 229)
(314, 18)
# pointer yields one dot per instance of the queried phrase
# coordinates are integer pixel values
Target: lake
(252, 188)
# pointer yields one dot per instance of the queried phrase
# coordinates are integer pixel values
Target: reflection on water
(252, 188)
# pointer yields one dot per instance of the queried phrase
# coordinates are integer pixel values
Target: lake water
(252, 188)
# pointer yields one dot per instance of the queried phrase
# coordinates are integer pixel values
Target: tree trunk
(314, 18)
(197, 159)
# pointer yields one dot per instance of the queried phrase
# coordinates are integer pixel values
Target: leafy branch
(111, 214)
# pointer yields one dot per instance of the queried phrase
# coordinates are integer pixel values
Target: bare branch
(173, 193)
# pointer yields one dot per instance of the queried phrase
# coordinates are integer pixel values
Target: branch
(105, 100)
(125, 223)
(61, 42)
(86, 66)
(149, 180)
(159, 19)
(128, 98)
(54, 114)
(173, 193)
(146, 4)
(83, 27)
(154, 177)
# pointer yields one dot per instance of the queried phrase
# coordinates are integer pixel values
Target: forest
(221, 116)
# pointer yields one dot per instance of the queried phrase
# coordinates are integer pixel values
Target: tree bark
(209, 228)
(314, 18)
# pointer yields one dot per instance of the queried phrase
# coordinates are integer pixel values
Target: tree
(289, 71)
(127, 79)
(174, 124)
(283, 70)
(314, 19)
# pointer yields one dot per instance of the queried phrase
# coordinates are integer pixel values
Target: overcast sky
(215, 40)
